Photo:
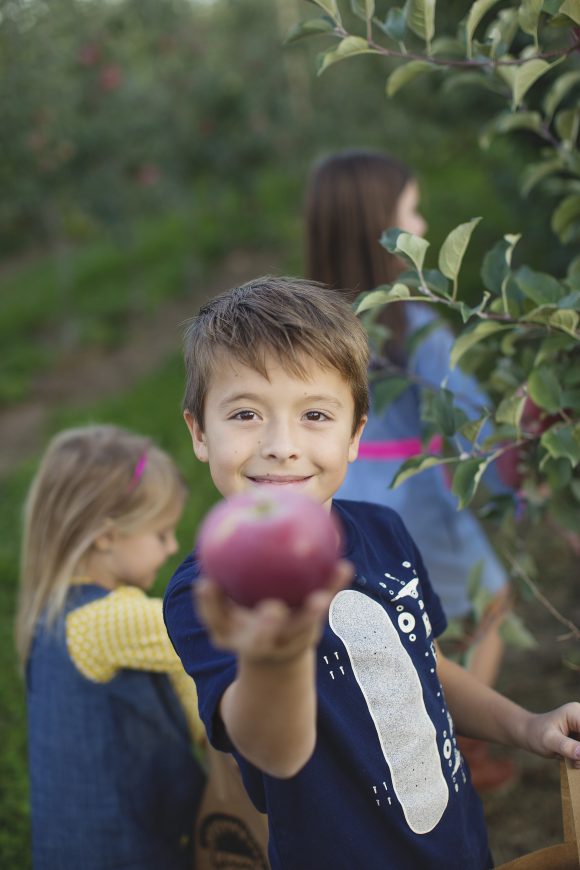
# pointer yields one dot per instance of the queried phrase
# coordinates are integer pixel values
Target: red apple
(511, 465)
(269, 544)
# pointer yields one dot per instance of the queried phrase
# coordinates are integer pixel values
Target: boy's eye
(316, 416)
(244, 415)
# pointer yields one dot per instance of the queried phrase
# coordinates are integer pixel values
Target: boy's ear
(197, 436)
(355, 440)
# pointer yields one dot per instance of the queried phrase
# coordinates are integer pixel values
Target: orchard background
(154, 152)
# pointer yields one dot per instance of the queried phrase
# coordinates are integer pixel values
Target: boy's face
(278, 431)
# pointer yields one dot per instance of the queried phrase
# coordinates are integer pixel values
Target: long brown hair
(351, 199)
(90, 478)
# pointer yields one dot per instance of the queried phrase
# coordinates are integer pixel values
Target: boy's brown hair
(288, 318)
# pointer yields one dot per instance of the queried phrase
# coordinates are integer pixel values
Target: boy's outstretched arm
(269, 711)
(479, 711)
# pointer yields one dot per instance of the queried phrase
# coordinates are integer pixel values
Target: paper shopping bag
(566, 855)
(230, 833)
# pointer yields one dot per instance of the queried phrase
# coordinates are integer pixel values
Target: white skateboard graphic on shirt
(392, 690)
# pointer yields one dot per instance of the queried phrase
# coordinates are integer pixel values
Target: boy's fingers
(569, 748)
(214, 608)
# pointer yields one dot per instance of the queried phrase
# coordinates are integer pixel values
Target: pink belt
(403, 448)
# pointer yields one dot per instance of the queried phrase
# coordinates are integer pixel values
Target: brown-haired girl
(353, 197)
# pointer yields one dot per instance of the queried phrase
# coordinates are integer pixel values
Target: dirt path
(87, 375)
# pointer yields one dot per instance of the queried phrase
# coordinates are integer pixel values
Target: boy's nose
(280, 443)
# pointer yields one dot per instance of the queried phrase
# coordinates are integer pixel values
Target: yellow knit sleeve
(125, 629)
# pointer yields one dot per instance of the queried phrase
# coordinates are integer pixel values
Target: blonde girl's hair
(90, 479)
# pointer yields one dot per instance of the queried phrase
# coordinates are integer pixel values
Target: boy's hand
(270, 632)
(555, 734)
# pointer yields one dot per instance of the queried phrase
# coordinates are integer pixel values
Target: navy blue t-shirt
(386, 786)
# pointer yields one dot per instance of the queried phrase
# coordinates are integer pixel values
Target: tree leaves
(478, 10)
(469, 339)
(545, 390)
(347, 47)
(414, 248)
(527, 75)
(453, 250)
(382, 296)
(404, 74)
(420, 17)
(563, 442)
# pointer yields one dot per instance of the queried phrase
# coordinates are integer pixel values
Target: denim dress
(114, 782)
(451, 541)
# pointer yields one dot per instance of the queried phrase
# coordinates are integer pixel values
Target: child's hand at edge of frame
(271, 632)
(555, 734)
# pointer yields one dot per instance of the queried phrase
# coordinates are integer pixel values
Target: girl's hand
(270, 632)
(555, 734)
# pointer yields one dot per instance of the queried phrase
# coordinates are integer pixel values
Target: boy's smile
(277, 431)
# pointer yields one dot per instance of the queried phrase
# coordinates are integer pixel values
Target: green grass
(77, 297)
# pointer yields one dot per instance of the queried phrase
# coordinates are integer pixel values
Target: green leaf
(420, 15)
(507, 122)
(471, 79)
(478, 10)
(563, 442)
(445, 415)
(558, 91)
(541, 288)
(566, 213)
(544, 388)
(402, 75)
(466, 478)
(565, 320)
(536, 172)
(436, 281)
(386, 391)
(419, 335)
(390, 238)
(495, 270)
(382, 296)
(471, 429)
(395, 24)
(453, 250)
(514, 632)
(311, 27)
(571, 8)
(474, 579)
(558, 472)
(414, 248)
(330, 7)
(566, 124)
(510, 409)
(529, 16)
(347, 47)
(415, 465)
(526, 75)
(365, 9)
(467, 340)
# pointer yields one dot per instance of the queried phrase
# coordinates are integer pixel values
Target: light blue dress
(451, 541)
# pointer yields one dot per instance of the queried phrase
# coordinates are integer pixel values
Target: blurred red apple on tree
(269, 544)
(511, 465)
(110, 78)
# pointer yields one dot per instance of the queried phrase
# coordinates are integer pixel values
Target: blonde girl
(111, 713)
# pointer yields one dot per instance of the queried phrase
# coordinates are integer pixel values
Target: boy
(337, 713)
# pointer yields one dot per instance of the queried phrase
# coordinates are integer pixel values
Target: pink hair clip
(139, 469)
